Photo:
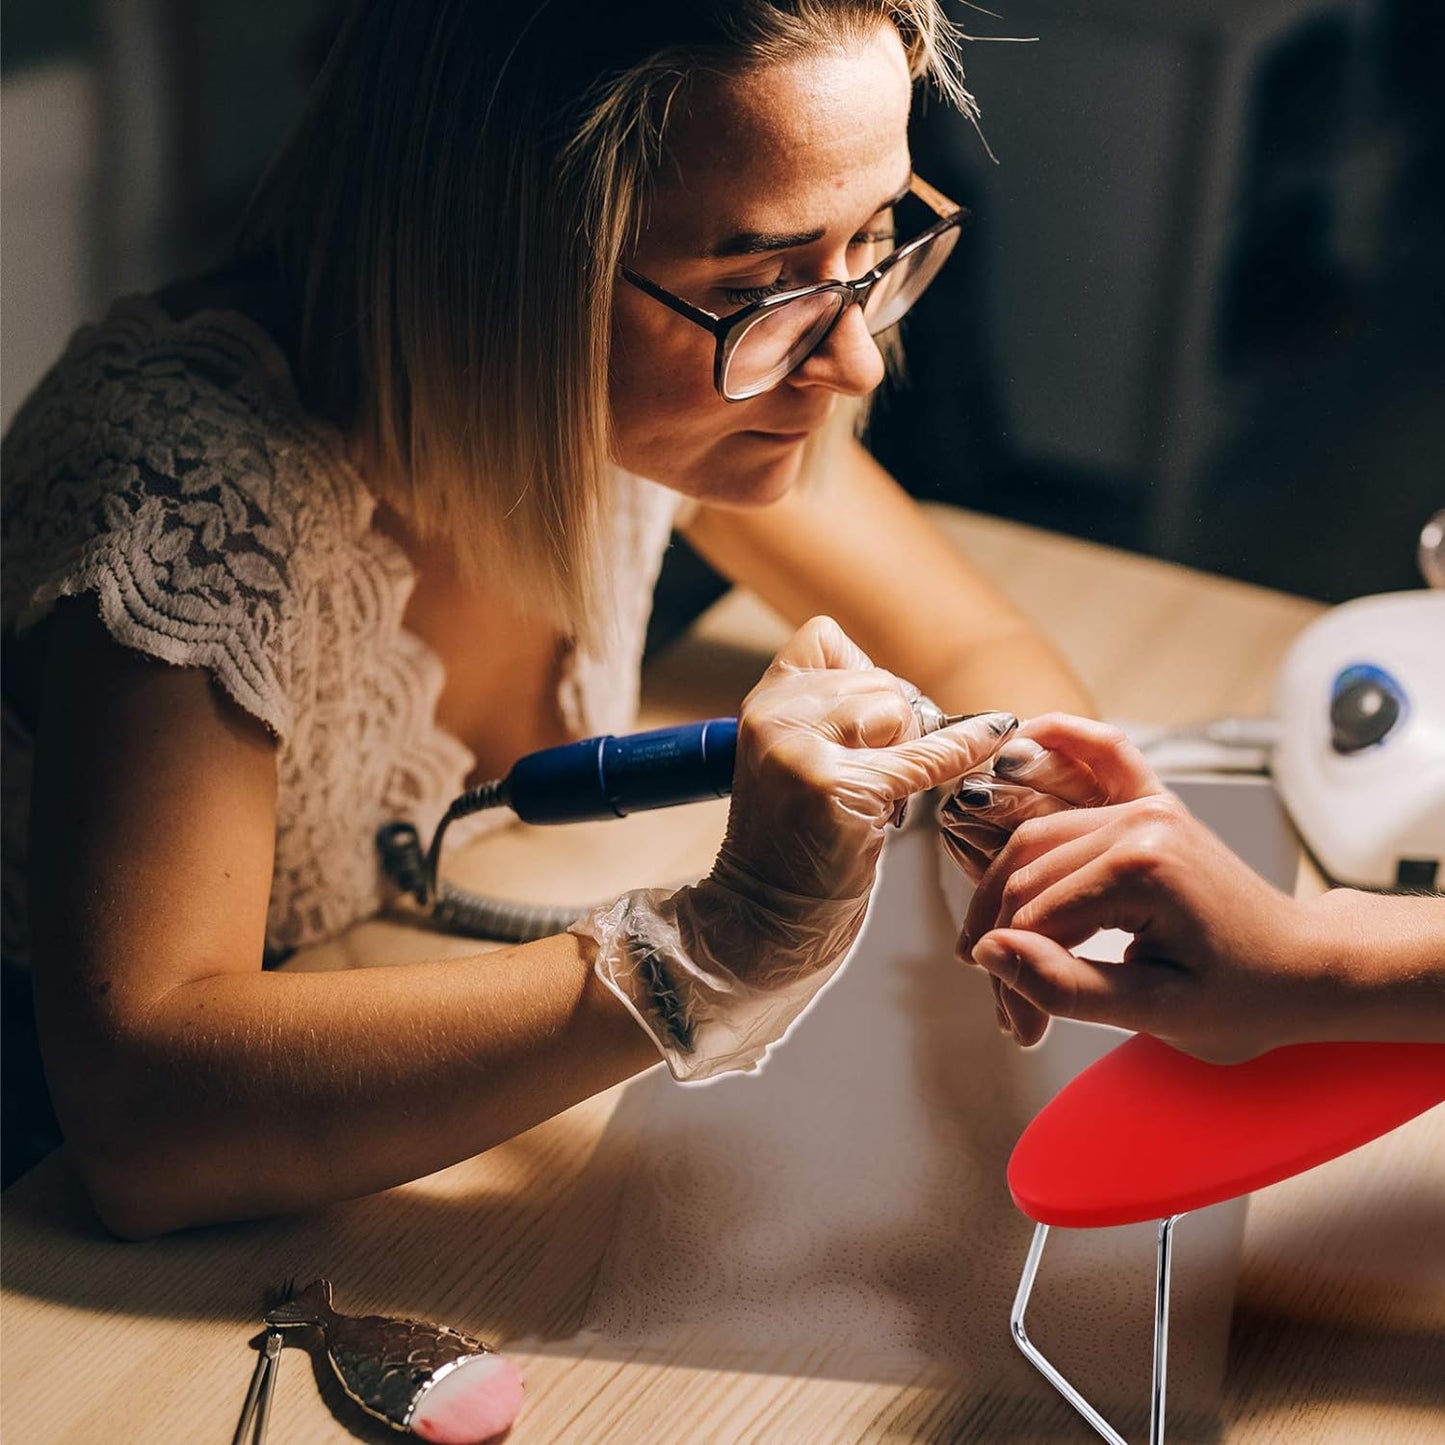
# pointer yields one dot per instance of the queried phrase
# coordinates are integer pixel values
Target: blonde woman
(306, 545)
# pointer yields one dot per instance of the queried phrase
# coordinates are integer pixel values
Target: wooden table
(1339, 1325)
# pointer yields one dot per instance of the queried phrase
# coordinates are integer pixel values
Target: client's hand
(1053, 763)
(1216, 966)
(828, 746)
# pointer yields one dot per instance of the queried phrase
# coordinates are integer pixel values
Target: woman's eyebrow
(755, 243)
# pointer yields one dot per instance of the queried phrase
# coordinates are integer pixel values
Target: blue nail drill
(601, 777)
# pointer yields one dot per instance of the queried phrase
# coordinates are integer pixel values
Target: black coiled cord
(458, 910)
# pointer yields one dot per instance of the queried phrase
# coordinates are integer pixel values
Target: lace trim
(168, 467)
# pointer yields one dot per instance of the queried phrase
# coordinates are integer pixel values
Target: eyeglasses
(770, 339)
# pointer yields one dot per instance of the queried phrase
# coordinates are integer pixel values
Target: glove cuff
(662, 954)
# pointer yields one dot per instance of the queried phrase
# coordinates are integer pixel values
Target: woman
(305, 546)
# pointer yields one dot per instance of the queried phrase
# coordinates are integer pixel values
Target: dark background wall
(1198, 312)
(1202, 312)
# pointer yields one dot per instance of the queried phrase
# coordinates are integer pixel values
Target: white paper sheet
(845, 1212)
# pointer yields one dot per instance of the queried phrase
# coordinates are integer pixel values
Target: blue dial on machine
(1366, 704)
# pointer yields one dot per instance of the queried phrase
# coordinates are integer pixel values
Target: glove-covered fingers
(833, 702)
(824, 757)
(941, 757)
(805, 742)
(818, 644)
(973, 846)
(872, 783)
(877, 712)
(981, 798)
(979, 814)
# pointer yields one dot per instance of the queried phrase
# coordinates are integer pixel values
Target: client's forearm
(1380, 960)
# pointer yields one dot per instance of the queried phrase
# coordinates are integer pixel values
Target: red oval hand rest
(1149, 1132)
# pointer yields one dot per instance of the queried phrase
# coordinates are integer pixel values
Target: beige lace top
(168, 469)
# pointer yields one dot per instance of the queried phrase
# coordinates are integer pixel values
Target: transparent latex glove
(1027, 779)
(828, 746)
(1054, 764)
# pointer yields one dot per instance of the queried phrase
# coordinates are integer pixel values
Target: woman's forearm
(243, 1095)
(852, 544)
(1019, 671)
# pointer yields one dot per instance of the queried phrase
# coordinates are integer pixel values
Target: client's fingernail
(973, 796)
(1001, 723)
(990, 954)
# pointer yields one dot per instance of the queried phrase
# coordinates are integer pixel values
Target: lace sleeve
(150, 481)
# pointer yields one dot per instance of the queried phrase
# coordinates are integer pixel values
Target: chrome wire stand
(1161, 1336)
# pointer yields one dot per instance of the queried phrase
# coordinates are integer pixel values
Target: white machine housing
(1374, 816)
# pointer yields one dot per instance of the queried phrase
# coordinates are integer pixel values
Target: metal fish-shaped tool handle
(430, 1379)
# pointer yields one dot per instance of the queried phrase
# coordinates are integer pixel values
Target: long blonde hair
(450, 214)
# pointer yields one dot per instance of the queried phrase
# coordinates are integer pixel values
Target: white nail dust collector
(1359, 758)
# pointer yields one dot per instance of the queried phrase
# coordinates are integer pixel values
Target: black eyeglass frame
(728, 328)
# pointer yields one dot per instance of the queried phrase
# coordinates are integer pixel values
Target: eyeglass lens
(778, 341)
(901, 285)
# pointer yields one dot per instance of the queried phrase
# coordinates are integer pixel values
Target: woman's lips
(780, 438)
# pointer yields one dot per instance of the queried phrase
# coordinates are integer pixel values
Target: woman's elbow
(122, 1140)
(141, 1189)
(122, 1208)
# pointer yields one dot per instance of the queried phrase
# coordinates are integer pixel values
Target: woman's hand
(1217, 965)
(1052, 763)
(828, 747)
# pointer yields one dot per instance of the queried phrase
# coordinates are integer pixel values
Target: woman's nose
(848, 361)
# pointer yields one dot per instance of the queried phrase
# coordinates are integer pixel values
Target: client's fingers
(1073, 891)
(1064, 985)
(1025, 762)
(1104, 749)
(1026, 1021)
(1034, 840)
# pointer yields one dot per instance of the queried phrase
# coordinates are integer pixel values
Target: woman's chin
(749, 469)
(755, 474)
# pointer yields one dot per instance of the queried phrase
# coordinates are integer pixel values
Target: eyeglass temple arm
(934, 199)
(673, 303)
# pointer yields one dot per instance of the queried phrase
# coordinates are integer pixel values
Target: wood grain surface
(1338, 1330)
